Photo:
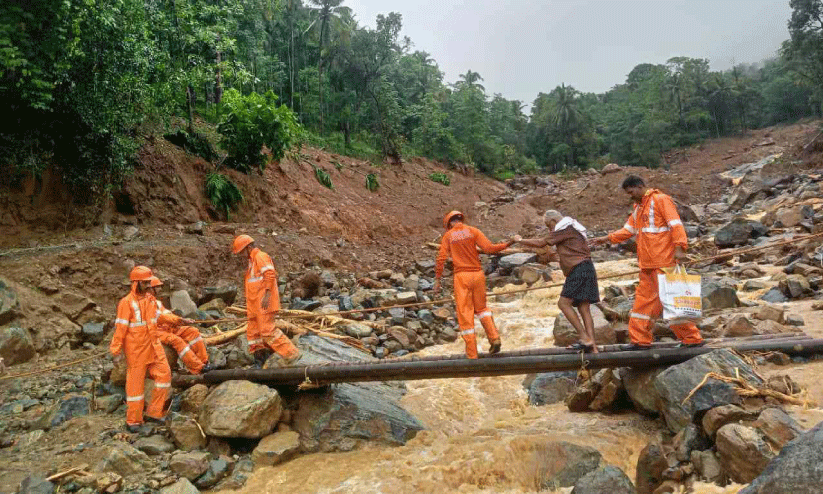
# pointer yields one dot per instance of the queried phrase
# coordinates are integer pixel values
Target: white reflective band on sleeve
(120, 321)
(137, 324)
(467, 332)
(255, 279)
(483, 314)
(630, 228)
(674, 223)
(640, 316)
(266, 268)
(255, 342)
(656, 229)
(136, 309)
(192, 342)
(134, 398)
(184, 351)
(162, 385)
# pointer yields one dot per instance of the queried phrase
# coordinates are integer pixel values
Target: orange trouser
(158, 370)
(188, 344)
(647, 307)
(470, 299)
(262, 333)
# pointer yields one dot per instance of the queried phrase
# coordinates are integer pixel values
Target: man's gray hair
(551, 214)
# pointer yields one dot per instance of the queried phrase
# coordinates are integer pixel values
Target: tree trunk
(218, 78)
(190, 103)
(347, 134)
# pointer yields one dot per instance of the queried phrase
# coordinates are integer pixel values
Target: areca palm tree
(328, 12)
(470, 79)
(565, 114)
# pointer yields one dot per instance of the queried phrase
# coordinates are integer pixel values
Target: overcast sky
(523, 47)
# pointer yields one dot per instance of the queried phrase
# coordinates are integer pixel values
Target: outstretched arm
(486, 245)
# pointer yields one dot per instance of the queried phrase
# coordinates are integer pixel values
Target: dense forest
(82, 80)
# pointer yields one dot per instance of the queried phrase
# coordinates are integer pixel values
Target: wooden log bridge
(508, 363)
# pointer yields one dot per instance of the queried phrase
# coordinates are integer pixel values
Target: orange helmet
(449, 217)
(140, 273)
(155, 282)
(240, 243)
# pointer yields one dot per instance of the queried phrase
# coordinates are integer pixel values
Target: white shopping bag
(680, 294)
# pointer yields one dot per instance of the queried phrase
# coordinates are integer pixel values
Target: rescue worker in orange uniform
(135, 335)
(460, 242)
(661, 243)
(185, 340)
(262, 303)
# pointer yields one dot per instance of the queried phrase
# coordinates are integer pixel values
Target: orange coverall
(658, 228)
(185, 340)
(261, 331)
(135, 333)
(460, 243)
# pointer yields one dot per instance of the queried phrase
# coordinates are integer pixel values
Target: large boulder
(190, 465)
(606, 479)
(565, 334)
(551, 387)
(798, 469)
(68, 407)
(241, 409)
(674, 385)
(93, 332)
(123, 459)
(338, 418)
(154, 445)
(738, 232)
(182, 486)
(9, 305)
(16, 346)
(276, 448)
(640, 388)
(719, 293)
(507, 263)
(185, 433)
(182, 303)
(564, 463)
(35, 484)
(742, 451)
(777, 427)
(650, 467)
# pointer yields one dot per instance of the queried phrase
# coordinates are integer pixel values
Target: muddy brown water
(482, 433)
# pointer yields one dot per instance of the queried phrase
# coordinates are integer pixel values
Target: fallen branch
(58, 476)
(746, 389)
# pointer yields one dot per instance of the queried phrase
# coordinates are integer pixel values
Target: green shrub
(223, 193)
(503, 174)
(323, 177)
(249, 122)
(371, 182)
(440, 178)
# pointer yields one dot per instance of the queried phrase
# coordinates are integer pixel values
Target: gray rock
(565, 334)
(123, 459)
(217, 358)
(689, 439)
(742, 452)
(16, 346)
(130, 232)
(109, 404)
(774, 296)
(738, 232)
(719, 416)
(307, 304)
(276, 448)
(507, 263)
(192, 399)
(753, 285)
(195, 228)
(218, 469)
(738, 325)
(795, 286)
(242, 471)
(345, 303)
(241, 409)
(93, 332)
(227, 293)
(674, 384)
(35, 484)
(639, 385)
(190, 465)
(551, 387)
(798, 469)
(181, 301)
(154, 445)
(795, 320)
(68, 407)
(566, 463)
(426, 267)
(718, 293)
(338, 418)
(182, 486)
(777, 427)
(606, 479)
(707, 465)
(358, 330)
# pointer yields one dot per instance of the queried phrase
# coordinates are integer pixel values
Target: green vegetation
(223, 193)
(371, 182)
(441, 178)
(323, 177)
(81, 79)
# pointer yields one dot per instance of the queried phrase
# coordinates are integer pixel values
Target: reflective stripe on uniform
(136, 308)
(630, 228)
(137, 324)
(192, 342)
(134, 398)
(467, 332)
(255, 342)
(655, 229)
(640, 316)
(674, 223)
(184, 351)
(255, 279)
(120, 321)
(162, 385)
(483, 314)
(266, 268)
